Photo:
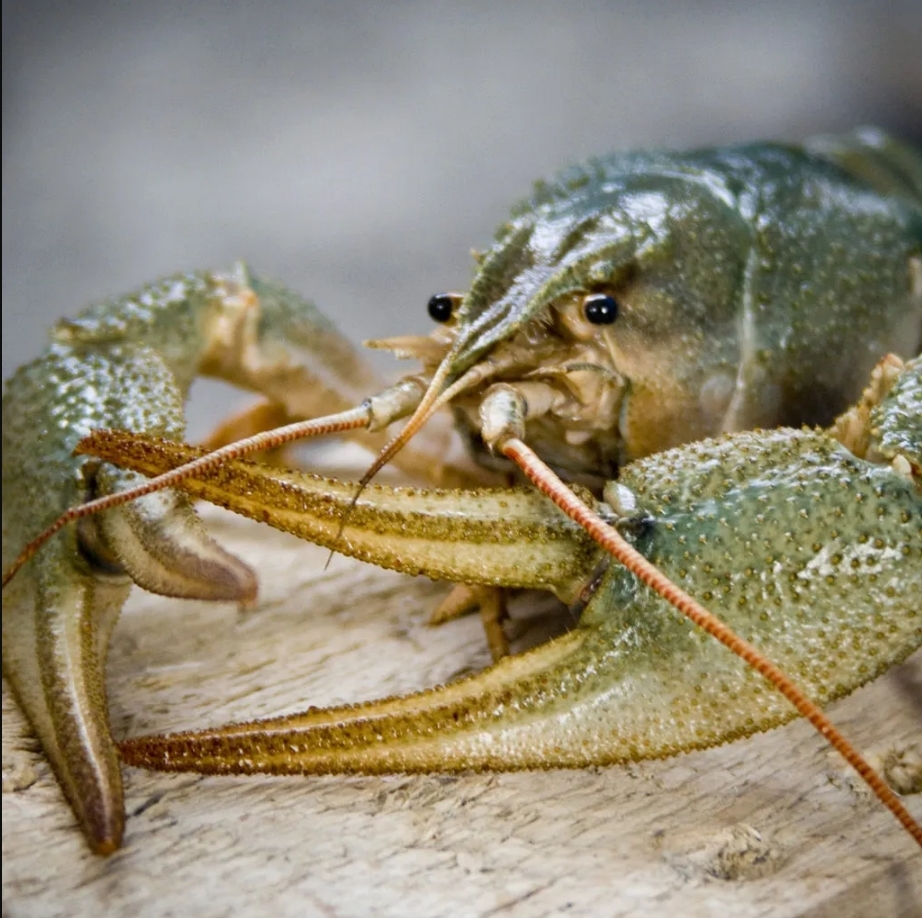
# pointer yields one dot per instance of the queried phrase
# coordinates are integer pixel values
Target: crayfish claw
(163, 546)
(54, 659)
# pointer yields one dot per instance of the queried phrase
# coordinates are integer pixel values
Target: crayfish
(636, 346)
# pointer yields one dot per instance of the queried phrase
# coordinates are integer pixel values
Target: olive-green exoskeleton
(636, 304)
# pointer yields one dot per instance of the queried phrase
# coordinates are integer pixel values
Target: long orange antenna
(613, 542)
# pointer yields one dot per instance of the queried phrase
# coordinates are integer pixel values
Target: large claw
(801, 547)
(58, 613)
(57, 618)
(56, 625)
(127, 363)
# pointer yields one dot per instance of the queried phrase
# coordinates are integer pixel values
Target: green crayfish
(637, 344)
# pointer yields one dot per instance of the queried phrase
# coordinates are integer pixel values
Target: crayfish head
(610, 302)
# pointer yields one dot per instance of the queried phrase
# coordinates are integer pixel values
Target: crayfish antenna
(427, 407)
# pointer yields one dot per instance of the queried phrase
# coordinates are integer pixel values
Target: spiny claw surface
(127, 364)
(804, 549)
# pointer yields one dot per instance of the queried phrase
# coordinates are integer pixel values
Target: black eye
(441, 306)
(600, 309)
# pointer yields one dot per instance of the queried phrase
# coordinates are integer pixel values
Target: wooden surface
(778, 812)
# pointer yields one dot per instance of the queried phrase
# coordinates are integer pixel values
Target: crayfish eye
(600, 309)
(441, 306)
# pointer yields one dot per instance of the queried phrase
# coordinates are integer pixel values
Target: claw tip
(106, 846)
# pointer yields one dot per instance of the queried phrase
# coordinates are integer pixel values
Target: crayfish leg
(489, 601)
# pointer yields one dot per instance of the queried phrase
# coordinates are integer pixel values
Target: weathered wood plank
(644, 839)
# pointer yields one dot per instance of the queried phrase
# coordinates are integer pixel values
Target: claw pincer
(124, 364)
(835, 563)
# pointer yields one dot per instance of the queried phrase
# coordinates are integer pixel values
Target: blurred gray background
(358, 151)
